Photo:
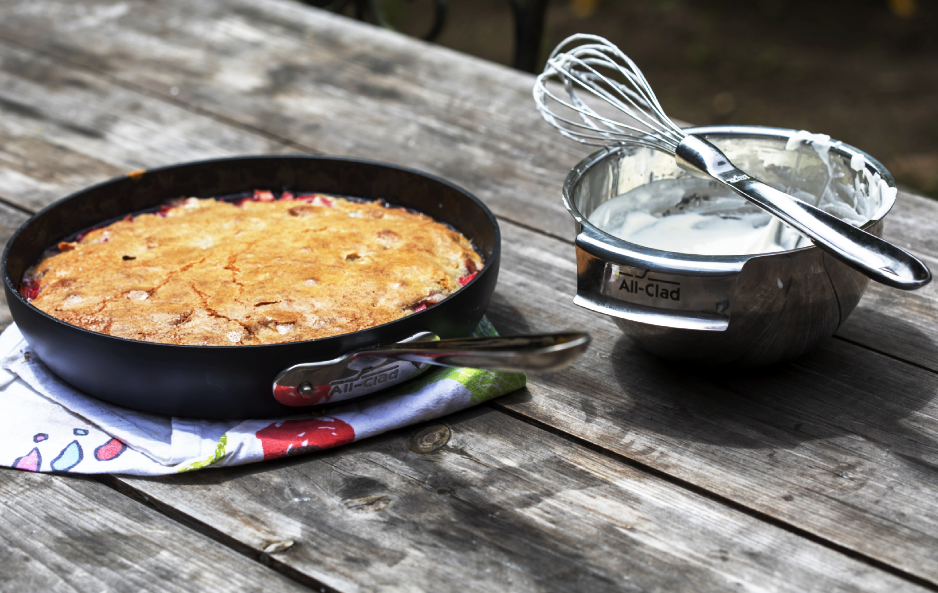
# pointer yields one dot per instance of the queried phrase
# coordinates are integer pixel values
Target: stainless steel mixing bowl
(741, 309)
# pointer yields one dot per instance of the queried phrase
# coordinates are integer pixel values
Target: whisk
(592, 65)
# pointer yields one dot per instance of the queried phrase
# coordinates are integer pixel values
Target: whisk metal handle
(880, 260)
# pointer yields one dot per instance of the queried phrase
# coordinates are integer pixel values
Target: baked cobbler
(261, 270)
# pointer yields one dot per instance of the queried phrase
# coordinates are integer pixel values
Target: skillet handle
(539, 353)
(352, 375)
(371, 370)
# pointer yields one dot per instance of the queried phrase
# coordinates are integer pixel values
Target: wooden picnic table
(621, 473)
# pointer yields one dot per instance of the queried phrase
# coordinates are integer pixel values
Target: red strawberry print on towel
(109, 450)
(292, 437)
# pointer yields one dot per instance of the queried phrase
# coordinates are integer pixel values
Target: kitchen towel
(48, 426)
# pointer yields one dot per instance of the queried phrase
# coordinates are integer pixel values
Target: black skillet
(233, 381)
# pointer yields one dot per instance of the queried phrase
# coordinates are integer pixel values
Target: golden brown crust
(215, 273)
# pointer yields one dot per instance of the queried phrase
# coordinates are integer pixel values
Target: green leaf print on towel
(216, 457)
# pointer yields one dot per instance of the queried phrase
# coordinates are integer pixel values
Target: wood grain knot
(278, 547)
(368, 504)
(430, 439)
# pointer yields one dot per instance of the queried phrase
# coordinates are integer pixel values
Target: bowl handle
(629, 282)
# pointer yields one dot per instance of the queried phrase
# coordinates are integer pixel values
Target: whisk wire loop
(635, 106)
(597, 68)
(574, 129)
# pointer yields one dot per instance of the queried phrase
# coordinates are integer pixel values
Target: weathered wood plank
(71, 534)
(326, 83)
(63, 129)
(842, 443)
(485, 502)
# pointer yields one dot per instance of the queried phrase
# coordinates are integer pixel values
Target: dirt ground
(863, 71)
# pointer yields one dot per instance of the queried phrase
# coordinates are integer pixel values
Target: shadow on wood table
(811, 398)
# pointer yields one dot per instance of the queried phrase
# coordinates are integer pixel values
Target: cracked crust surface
(210, 272)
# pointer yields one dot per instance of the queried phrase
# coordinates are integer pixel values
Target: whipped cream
(693, 232)
(854, 203)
